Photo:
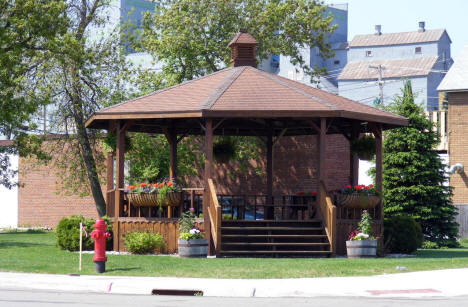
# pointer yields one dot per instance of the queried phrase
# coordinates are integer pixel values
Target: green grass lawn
(37, 252)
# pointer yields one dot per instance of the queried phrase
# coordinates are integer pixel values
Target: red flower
(300, 193)
(161, 184)
(348, 186)
(155, 185)
(371, 185)
(142, 185)
(356, 187)
(314, 193)
(169, 184)
(367, 188)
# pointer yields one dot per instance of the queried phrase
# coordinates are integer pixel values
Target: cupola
(243, 49)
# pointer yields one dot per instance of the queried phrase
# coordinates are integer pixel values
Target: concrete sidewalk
(417, 284)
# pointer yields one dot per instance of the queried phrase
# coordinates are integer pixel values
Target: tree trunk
(88, 158)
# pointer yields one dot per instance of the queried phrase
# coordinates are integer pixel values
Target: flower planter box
(193, 248)
(357, 200)
(361, 248)
(151, 200)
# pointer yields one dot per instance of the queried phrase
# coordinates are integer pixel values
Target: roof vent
(422, 26)
(378, 29)
(243, 49)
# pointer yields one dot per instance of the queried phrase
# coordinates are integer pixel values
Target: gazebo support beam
(269, 172)
(322, 143)
(377, 131)
(208, 174)
(354, 159)
(121, 127)
(110, 174)
(171, 136)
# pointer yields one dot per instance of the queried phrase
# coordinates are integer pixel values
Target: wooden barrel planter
(361, 248)
(193, 248)
(151, 200)
(357, 200)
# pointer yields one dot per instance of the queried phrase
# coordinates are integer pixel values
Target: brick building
(456, 85)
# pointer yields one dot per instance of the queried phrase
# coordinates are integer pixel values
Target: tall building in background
(281, 65)
(378, 63)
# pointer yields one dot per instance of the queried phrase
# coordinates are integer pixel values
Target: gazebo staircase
(269, 238)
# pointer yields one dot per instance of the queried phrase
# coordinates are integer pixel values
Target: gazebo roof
(242, 92)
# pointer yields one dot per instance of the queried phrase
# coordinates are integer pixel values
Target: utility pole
(379, 82)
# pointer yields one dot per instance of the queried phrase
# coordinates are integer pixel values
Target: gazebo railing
(214, 210)
(328, 212)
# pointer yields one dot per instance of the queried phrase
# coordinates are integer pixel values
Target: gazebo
(242, 100)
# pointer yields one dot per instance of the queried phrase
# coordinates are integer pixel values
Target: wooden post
(118, 202)
(110, 175)
(208, 175)
(377, 131)
(322, 150)
(354, 159)
(172, 140)
(269, 211)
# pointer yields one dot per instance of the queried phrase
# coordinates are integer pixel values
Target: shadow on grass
(11, 244)
(123, 269)
(443, 253)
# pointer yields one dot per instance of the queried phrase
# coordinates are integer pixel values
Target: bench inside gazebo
(242, 100)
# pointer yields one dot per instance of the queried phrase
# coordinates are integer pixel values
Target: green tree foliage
(88, 72)
(28, 35)
(149, 157)
(190, 38)
(413, 174)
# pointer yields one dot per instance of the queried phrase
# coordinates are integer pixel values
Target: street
(27, 297)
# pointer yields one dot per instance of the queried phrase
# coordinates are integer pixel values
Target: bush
(429, 245)
(68, 233)
(402, 234)
(143, 242)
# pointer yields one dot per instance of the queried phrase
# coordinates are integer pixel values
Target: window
(336, 62)
(417, 50)
(368, 53)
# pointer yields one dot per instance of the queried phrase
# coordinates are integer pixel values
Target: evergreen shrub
(402, 234)
(68, 233)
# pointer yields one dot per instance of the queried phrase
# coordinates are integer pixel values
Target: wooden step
(275, 236)
(274, 221)
(275, 252)
(266, 228)
(275, 244)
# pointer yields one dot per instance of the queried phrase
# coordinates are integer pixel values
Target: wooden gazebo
(244, 101)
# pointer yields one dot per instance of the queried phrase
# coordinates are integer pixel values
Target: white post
(81, 244)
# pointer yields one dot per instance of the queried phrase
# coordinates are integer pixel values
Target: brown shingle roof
(400, 38)
(392, 68)
(242, 37)
(243, 92)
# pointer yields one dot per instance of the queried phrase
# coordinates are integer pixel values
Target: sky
(404, 15)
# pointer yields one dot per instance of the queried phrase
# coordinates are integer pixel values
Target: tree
(413, 174)
(28, 35)
(88, 72)
(190, 38)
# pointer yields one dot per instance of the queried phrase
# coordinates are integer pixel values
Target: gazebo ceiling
(246, 101)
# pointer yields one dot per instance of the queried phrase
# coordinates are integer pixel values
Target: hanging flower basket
(151, 200)
(357, 200)
(165, 193)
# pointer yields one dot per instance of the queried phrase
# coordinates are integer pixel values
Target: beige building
(455, 84)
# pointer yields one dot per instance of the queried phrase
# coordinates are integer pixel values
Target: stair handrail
(214, 211)
(328, 210)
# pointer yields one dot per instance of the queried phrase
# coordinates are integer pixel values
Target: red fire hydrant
(100, 235)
